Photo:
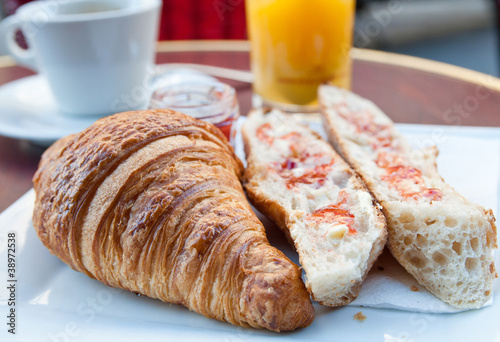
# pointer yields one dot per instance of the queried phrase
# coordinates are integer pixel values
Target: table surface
(408, 89)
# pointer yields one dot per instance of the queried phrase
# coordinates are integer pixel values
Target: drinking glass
(296, 45)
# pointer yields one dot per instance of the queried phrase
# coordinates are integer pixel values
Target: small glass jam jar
(207, 100)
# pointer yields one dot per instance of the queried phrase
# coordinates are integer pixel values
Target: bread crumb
(414, 288)
(360, 316)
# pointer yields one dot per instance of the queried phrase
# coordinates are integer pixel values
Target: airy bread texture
(151, 202)
(299, 182)
(445, 241)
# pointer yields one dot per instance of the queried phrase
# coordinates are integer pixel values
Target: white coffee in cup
(96, 55)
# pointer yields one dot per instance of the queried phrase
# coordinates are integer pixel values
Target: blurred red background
(189, 19)
(203, 19)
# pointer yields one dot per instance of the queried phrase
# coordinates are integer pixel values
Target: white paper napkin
(469, 160)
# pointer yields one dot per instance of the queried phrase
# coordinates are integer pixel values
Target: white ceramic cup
(96, 55)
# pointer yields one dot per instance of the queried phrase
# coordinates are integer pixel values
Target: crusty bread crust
(256, 179)
(445, 241)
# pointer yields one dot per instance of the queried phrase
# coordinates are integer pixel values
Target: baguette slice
(445, 241)
(297, 180)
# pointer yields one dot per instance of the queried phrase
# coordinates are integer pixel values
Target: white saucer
(28, 110)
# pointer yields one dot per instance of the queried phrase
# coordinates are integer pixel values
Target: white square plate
(55, 303)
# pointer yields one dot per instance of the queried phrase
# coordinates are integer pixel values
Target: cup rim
(27, 11)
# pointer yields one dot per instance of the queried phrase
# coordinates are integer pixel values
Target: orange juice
(298, 44)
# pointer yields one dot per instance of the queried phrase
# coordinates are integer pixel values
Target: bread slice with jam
(445, 241)
(296, 179)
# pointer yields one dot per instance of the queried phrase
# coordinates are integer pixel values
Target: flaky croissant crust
(150, 201)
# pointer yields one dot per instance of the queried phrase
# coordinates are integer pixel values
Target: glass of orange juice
(295, 46)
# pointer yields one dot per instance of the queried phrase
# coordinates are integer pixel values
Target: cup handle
(8, 44)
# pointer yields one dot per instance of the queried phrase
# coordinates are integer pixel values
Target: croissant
(150, 201)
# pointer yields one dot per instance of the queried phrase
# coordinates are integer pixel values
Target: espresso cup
(97, 56)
